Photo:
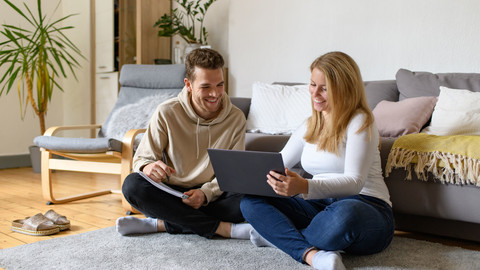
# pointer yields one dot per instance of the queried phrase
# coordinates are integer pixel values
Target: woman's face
(318, 91)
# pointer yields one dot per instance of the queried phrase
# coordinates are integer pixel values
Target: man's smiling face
(206, 90)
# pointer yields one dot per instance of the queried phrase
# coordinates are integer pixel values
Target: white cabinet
(106, 77)
(105, 95)
(104, 36)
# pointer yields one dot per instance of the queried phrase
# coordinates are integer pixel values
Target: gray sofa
(419, 206)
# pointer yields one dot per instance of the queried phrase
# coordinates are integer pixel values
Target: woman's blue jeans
(357, 224)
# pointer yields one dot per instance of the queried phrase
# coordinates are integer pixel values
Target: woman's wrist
(304, 186)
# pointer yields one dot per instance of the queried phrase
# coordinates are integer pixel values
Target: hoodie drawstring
(209, 136)
(196, 136)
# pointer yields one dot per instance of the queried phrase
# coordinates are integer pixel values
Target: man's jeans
(357, 224)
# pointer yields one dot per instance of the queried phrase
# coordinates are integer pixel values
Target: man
(174, 151)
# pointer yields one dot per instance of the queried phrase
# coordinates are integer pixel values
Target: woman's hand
(196, 198)
(287, 185)
(158, 171)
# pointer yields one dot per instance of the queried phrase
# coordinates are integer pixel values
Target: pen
(164, 157)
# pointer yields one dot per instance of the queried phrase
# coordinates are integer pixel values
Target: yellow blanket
(451, 159)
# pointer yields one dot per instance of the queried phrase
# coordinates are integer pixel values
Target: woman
(346, 206)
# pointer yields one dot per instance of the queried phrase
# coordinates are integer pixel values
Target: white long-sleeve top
(356, 170)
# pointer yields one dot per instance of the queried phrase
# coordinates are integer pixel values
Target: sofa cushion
(377, 91)
(242, 103)
(457, 113)
(278, 109)
(416, 84)
(403, 117)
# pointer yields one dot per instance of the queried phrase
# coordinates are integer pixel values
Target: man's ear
(188, 85)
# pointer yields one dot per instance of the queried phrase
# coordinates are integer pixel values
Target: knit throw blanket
(451, 159)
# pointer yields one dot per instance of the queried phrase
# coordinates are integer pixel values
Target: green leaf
(12, 78)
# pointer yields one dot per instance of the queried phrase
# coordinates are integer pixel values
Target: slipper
(38, 225)
(61, 221)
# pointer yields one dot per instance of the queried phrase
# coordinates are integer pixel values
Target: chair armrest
(52, 130)
(129, 137)
(128, 141)
(127, 151)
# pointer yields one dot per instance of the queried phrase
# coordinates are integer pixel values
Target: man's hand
(196, 198)
(158, 171)
(289, 185)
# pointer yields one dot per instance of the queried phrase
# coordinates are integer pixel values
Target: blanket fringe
(456, 169)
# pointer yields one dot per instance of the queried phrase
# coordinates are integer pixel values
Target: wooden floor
(21, 196)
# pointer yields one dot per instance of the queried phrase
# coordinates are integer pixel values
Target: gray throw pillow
(417, 84)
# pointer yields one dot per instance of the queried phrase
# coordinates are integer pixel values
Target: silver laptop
(245, 171)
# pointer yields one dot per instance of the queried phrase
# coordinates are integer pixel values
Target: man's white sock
(328, 260)
(129, 225)
(258, 240)
(240, 230)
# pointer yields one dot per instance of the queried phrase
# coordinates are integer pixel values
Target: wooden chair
(143, 87)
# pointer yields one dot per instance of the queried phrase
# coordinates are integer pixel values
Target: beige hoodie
(185, 137)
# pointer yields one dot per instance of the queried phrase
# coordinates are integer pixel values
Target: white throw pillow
(278, 109)
(457, 112)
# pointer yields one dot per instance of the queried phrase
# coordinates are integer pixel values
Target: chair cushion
(78, 145)
(153, 76)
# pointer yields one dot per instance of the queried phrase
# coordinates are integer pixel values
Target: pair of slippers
(41, 224)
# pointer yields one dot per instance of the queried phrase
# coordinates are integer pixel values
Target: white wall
(69, 107)
(276, 40)
(77, 95)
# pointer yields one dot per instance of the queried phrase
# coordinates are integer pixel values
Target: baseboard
(15, 161)
(436, 226)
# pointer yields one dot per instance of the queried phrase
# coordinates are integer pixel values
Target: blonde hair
(346, 97)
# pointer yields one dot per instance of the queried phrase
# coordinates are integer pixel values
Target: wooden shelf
(138, 40)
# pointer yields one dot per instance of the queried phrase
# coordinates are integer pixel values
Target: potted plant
(183, 23)
(35, 58)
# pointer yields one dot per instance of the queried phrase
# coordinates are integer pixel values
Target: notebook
(245, 171)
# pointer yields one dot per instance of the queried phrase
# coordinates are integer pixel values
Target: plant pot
(192, 46)
(35, 158)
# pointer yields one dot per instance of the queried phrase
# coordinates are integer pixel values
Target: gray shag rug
(106, 249)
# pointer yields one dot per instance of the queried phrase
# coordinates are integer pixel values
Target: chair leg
(47, 185)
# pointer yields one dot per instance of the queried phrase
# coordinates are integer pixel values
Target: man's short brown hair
(202, 58)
